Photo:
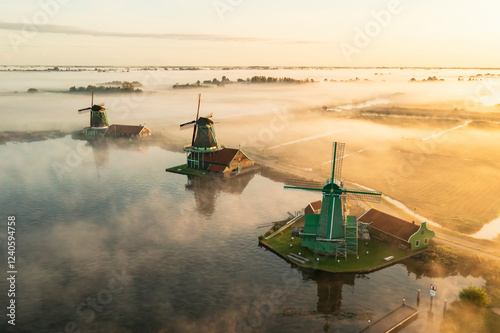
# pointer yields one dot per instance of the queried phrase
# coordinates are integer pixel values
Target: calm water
(164, 253)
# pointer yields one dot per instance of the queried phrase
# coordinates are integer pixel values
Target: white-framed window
(417, 243)
(426, 241)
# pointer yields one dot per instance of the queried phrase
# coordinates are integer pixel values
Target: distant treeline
(254, 79)
(269, 79)
(125, 86)
(120, 83)
(430, 78)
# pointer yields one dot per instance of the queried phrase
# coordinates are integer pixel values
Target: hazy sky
(251, 32)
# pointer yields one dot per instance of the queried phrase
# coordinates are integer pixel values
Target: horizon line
(262, 66)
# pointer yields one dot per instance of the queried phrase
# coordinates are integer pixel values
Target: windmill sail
(188, 125)
(332, 232)
(196, 120)
(306, 185)
(337, 159)
(363, 195)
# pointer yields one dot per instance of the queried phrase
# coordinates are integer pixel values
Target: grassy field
(450, 178)
(371, 254)
(434, 161)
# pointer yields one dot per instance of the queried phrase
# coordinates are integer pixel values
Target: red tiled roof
(221, 157)
(125, 129)
(316, 205)
(389, 224)
(216, 168)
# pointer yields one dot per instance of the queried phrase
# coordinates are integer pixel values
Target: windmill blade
(303, 188)
(363, 195)
(306, 185)
(85, 109)
(196, 119)
(187, 125)
(337, 159)
(210, 115)
(102, 104)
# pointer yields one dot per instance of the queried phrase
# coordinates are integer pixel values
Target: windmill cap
(204, 121)
(97, 108)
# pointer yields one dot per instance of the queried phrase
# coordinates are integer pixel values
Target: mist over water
(160, 105)
(185, 248)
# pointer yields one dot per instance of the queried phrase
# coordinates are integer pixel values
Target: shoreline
(328, 260)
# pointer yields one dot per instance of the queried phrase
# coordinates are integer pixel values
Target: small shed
(405, 234)
(127, 131)
(313, 208)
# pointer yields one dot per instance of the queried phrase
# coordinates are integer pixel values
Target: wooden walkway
(392, 321)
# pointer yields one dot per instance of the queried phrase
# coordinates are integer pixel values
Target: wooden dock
(393, 320)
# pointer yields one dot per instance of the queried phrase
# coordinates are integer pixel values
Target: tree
(127, 85)
(475, 295)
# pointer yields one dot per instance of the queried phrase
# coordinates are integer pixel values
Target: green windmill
(332, 232)
(98, 119)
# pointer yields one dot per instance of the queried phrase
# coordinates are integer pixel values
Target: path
(441, 237)
(465, 245)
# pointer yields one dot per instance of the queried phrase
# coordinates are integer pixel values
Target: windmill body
(98, 119)
(99, 127)
(205, 153)
(332, 232)
(205, 138)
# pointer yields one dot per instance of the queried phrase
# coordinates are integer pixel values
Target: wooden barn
(313, 208)
(406, 235)
(127, 131)
(224, 161)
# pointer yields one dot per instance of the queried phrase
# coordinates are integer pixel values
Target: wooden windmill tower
(98, 119)
(204, 140)
(332, 232)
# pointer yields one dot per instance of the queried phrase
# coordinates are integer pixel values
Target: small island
(373, 253)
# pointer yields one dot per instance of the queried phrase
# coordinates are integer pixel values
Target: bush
(475, 295)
